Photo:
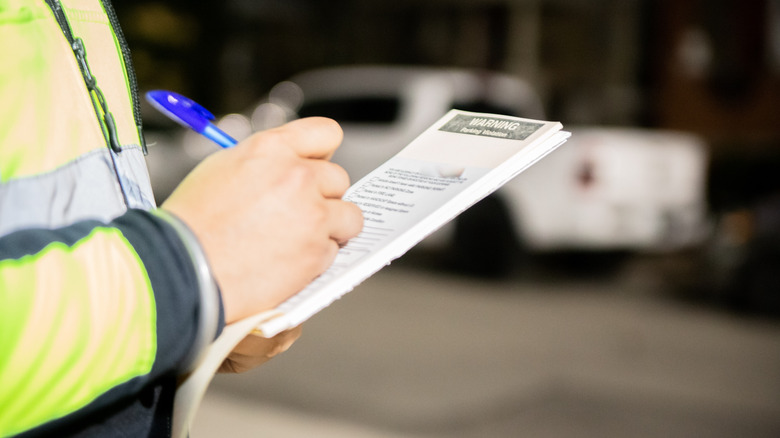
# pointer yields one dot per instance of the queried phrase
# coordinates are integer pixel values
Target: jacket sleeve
(93, 312)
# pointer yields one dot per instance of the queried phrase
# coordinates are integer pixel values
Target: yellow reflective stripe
(73, 333)
(47, 118)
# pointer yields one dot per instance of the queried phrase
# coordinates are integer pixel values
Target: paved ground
(420, 353)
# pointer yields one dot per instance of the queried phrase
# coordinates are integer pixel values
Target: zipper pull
(81, 57)
(96, 92)
(113, 139)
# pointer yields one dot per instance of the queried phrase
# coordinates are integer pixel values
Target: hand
(268, 213)
(255, 350)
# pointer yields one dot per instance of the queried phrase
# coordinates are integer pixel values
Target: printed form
(452, 165)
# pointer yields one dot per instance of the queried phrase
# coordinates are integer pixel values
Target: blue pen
(189, 114)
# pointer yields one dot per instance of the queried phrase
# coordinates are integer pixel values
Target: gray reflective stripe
(134, 176)
(85, 188)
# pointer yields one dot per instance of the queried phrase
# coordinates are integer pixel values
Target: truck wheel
(485, 243)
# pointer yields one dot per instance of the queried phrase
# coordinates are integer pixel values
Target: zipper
(105, 119)
(98, 99)
(131, 77)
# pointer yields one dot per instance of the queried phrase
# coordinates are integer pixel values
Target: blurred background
(627, 285)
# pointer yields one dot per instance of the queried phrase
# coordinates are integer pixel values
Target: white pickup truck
(607, 189)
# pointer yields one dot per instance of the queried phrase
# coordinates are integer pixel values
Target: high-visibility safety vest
(100, 294)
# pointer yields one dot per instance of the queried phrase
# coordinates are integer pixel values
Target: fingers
(315, 139)
(256, 345)
(346, 220)
(332, 179)
(284, 340)
(311, 137)
(255, 350)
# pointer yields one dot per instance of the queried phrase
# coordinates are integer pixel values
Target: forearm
(95, 312)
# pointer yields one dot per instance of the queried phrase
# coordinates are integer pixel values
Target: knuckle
(271, 142)
(300, 174)
(273, 136)
(357, 217)
(320, 214)
(341, 176)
